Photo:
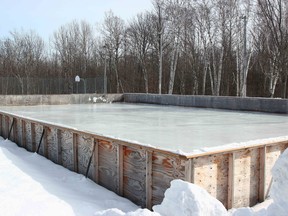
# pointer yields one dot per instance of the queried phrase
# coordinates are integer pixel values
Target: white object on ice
(185, 199)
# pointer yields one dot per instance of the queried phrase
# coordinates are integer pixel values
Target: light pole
(77, 80)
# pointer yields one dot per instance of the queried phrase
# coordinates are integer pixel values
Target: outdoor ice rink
(166, 127)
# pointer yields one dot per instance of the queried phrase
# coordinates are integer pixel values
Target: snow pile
(184, 199)
(32, 185)
(279, 189)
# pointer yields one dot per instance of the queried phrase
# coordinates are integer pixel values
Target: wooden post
(33, 137)
(23, 133)
(59, 146)
(96, 161)
(231, 181)
(189, 170)
(149, 179)
(15, 131)
(75, 152)
(45, 142)
(262, 179)
(1, 132)
(120, 168)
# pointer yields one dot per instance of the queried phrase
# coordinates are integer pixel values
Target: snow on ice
(32, 185)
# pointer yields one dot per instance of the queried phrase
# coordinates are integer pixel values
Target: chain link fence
(25, 86)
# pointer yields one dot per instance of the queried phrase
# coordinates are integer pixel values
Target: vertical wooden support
(262, 175)
(189, 170)
(149, 179)
(15, 131)
(6, 126)
(75, 152)
(23, 126)
(33, 137)
(96, 161)
(45, 142)
(231, 182)
(59, 147)
(1, 125)
(120, 169)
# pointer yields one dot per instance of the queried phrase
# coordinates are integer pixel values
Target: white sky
(46, 16)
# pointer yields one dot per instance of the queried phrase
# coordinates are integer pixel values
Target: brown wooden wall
(237, 177)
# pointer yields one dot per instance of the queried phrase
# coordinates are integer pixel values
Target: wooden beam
(231, 182)
(120, 168)
(189, 170)
(15, 131)
(23, 126)
(45, 141)
(75, 152)
(262, 174)
(33, 137)
(96, 161)
(149, 179)
(59, 146)
(1, 124)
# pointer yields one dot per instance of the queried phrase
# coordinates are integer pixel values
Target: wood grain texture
(19, 132)
(211, 173)
(246, 178)
(95, 161)
(28, 136)
(107, 163)
(148, 182)
(38, 134)
(134, 174)
(75, 153)
(1, 125)
(51, 143)
(84, 153)
(67, 149)
(59, 146)
(165, 169)
(262, 174)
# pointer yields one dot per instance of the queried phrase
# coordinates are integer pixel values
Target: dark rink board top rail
(236, 176)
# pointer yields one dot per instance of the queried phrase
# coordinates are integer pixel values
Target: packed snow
(32, 185)
(178, 129)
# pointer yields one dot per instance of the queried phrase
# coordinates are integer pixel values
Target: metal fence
(23, 86)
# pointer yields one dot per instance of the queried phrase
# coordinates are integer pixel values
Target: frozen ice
(182, 129)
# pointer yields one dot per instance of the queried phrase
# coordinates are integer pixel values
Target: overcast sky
(46, 16)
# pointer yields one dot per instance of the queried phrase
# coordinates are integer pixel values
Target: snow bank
(184, 199)
(279, 188)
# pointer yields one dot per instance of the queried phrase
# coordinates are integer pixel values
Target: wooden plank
(231, 181)
(23, 133)
(75, 152)
(95, 161)
(165, 169)
(33, 137)
(67, 149)
(149, 180)
(108, 169)
(120, 169)
(189, 170)
(85, 148)
(59, 147)
(15, 132)
(1, 129)
(262, 174)
(45, 142)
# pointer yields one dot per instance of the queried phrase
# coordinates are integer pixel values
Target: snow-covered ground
(32, 185)
(162, 126)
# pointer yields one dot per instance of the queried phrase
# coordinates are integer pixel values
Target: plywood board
(246, 178)
(134, 162)
(51, 142)
(211, 173)
(67, 149)
(84, 153)
(164, 170)
(28, 136)
(107, 164)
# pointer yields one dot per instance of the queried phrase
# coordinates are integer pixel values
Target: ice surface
(166, 127)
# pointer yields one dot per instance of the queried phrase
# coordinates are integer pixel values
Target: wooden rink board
(238, 177)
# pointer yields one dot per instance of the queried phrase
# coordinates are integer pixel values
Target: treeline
(200, 47)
